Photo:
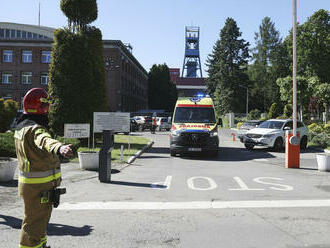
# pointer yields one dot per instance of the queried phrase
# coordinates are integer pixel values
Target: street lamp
(247, 99)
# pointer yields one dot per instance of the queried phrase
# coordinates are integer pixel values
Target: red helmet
(36, 101)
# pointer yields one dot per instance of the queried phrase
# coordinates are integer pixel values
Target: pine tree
(227, 65)
(77, 73)
(268, 56)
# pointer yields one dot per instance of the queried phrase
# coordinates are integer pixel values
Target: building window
(45, 57)
(13, 33)
(7, 56)
(7, 77)
(24, 34)
(27, 56)
(44, 78)
(26, 77)
(18, 33)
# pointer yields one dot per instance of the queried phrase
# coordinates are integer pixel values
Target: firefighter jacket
(36, 151)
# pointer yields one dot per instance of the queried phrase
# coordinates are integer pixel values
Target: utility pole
(39, 15)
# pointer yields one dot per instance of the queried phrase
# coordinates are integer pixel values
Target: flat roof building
(25, 52)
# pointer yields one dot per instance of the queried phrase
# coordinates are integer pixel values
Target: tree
(303, 91)
(77, 72)
(274, 111)
(8, 111)
(227, 65)
(162, 93)
(269, 59)
(313, 50)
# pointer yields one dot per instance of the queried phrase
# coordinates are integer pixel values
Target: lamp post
(247, 99)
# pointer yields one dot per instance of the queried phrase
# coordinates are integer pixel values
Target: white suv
(271, 133)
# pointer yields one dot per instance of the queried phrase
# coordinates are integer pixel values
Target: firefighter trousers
(36, 215)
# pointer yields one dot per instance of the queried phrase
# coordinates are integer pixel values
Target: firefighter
(39, 167)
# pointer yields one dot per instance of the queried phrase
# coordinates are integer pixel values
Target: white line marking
(242, 185)
(191, 185)
(193, 205)
(260, 160)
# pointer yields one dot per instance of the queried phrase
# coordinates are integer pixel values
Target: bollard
(233, 136)
(105, 156)
(121, 153)
(292, 152)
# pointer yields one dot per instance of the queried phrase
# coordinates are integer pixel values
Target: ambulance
(194, 127)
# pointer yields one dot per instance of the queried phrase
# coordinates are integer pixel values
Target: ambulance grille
(194, 139)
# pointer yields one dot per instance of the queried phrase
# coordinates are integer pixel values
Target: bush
(322, 140)
(287, 111)
(326, 128)
(239, 124)
(274, 111)
(7, 145)
(8, 111)
(315, 128)
(254, 114)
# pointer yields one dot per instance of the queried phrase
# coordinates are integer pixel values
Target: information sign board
(115, 121)
(76, 130)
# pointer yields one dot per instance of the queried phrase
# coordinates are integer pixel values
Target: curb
(138, 154)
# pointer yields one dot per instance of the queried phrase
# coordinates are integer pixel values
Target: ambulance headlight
(213, 134)
(175, 133)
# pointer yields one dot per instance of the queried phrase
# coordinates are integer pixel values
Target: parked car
(163, 124)
(143, 122)
(248, 125)
(133, 125)
(271, 133)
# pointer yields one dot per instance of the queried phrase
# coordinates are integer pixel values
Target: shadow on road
(53, 229)
(164, 150)
(146, 185)
(232, 154)
(12, 183)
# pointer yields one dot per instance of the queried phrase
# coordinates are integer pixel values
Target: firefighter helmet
(36, 101)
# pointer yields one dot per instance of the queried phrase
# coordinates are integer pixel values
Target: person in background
(154, 123)
(39, 167)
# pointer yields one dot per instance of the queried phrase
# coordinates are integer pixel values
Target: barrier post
(105, 157)
(292, 151)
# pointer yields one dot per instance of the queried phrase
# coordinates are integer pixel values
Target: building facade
(187, 86)
(26, 55)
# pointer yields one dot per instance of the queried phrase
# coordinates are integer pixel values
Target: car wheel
(249, 146)
(303, 143)
(278, 145)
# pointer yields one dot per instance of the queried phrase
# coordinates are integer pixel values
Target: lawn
(136, 144)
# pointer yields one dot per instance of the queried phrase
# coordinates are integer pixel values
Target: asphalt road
(243, 199)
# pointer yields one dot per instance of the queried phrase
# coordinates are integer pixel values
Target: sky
(156, 28)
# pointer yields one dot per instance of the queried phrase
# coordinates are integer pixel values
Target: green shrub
(254, 114)
(274, 111)
(7, 145)
(287, 111)
(8, 111)
(322, 140)
(326, 128)
(316, 128)
(239, 124)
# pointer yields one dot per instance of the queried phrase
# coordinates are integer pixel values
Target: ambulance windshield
(194, 115)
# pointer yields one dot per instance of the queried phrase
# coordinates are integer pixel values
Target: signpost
(115, 121)
(77, 131)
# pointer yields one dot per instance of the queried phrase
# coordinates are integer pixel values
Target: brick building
(187, 86)
(26, 54)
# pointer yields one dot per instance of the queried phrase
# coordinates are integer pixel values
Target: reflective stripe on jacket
(37, 155)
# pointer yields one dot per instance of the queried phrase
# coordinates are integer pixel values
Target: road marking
(281, 187)
(211, 182)
(242, 185)
(260, 160)
(193, 205)
(161, 185)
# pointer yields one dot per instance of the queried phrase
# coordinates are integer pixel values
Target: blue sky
(156, 28)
